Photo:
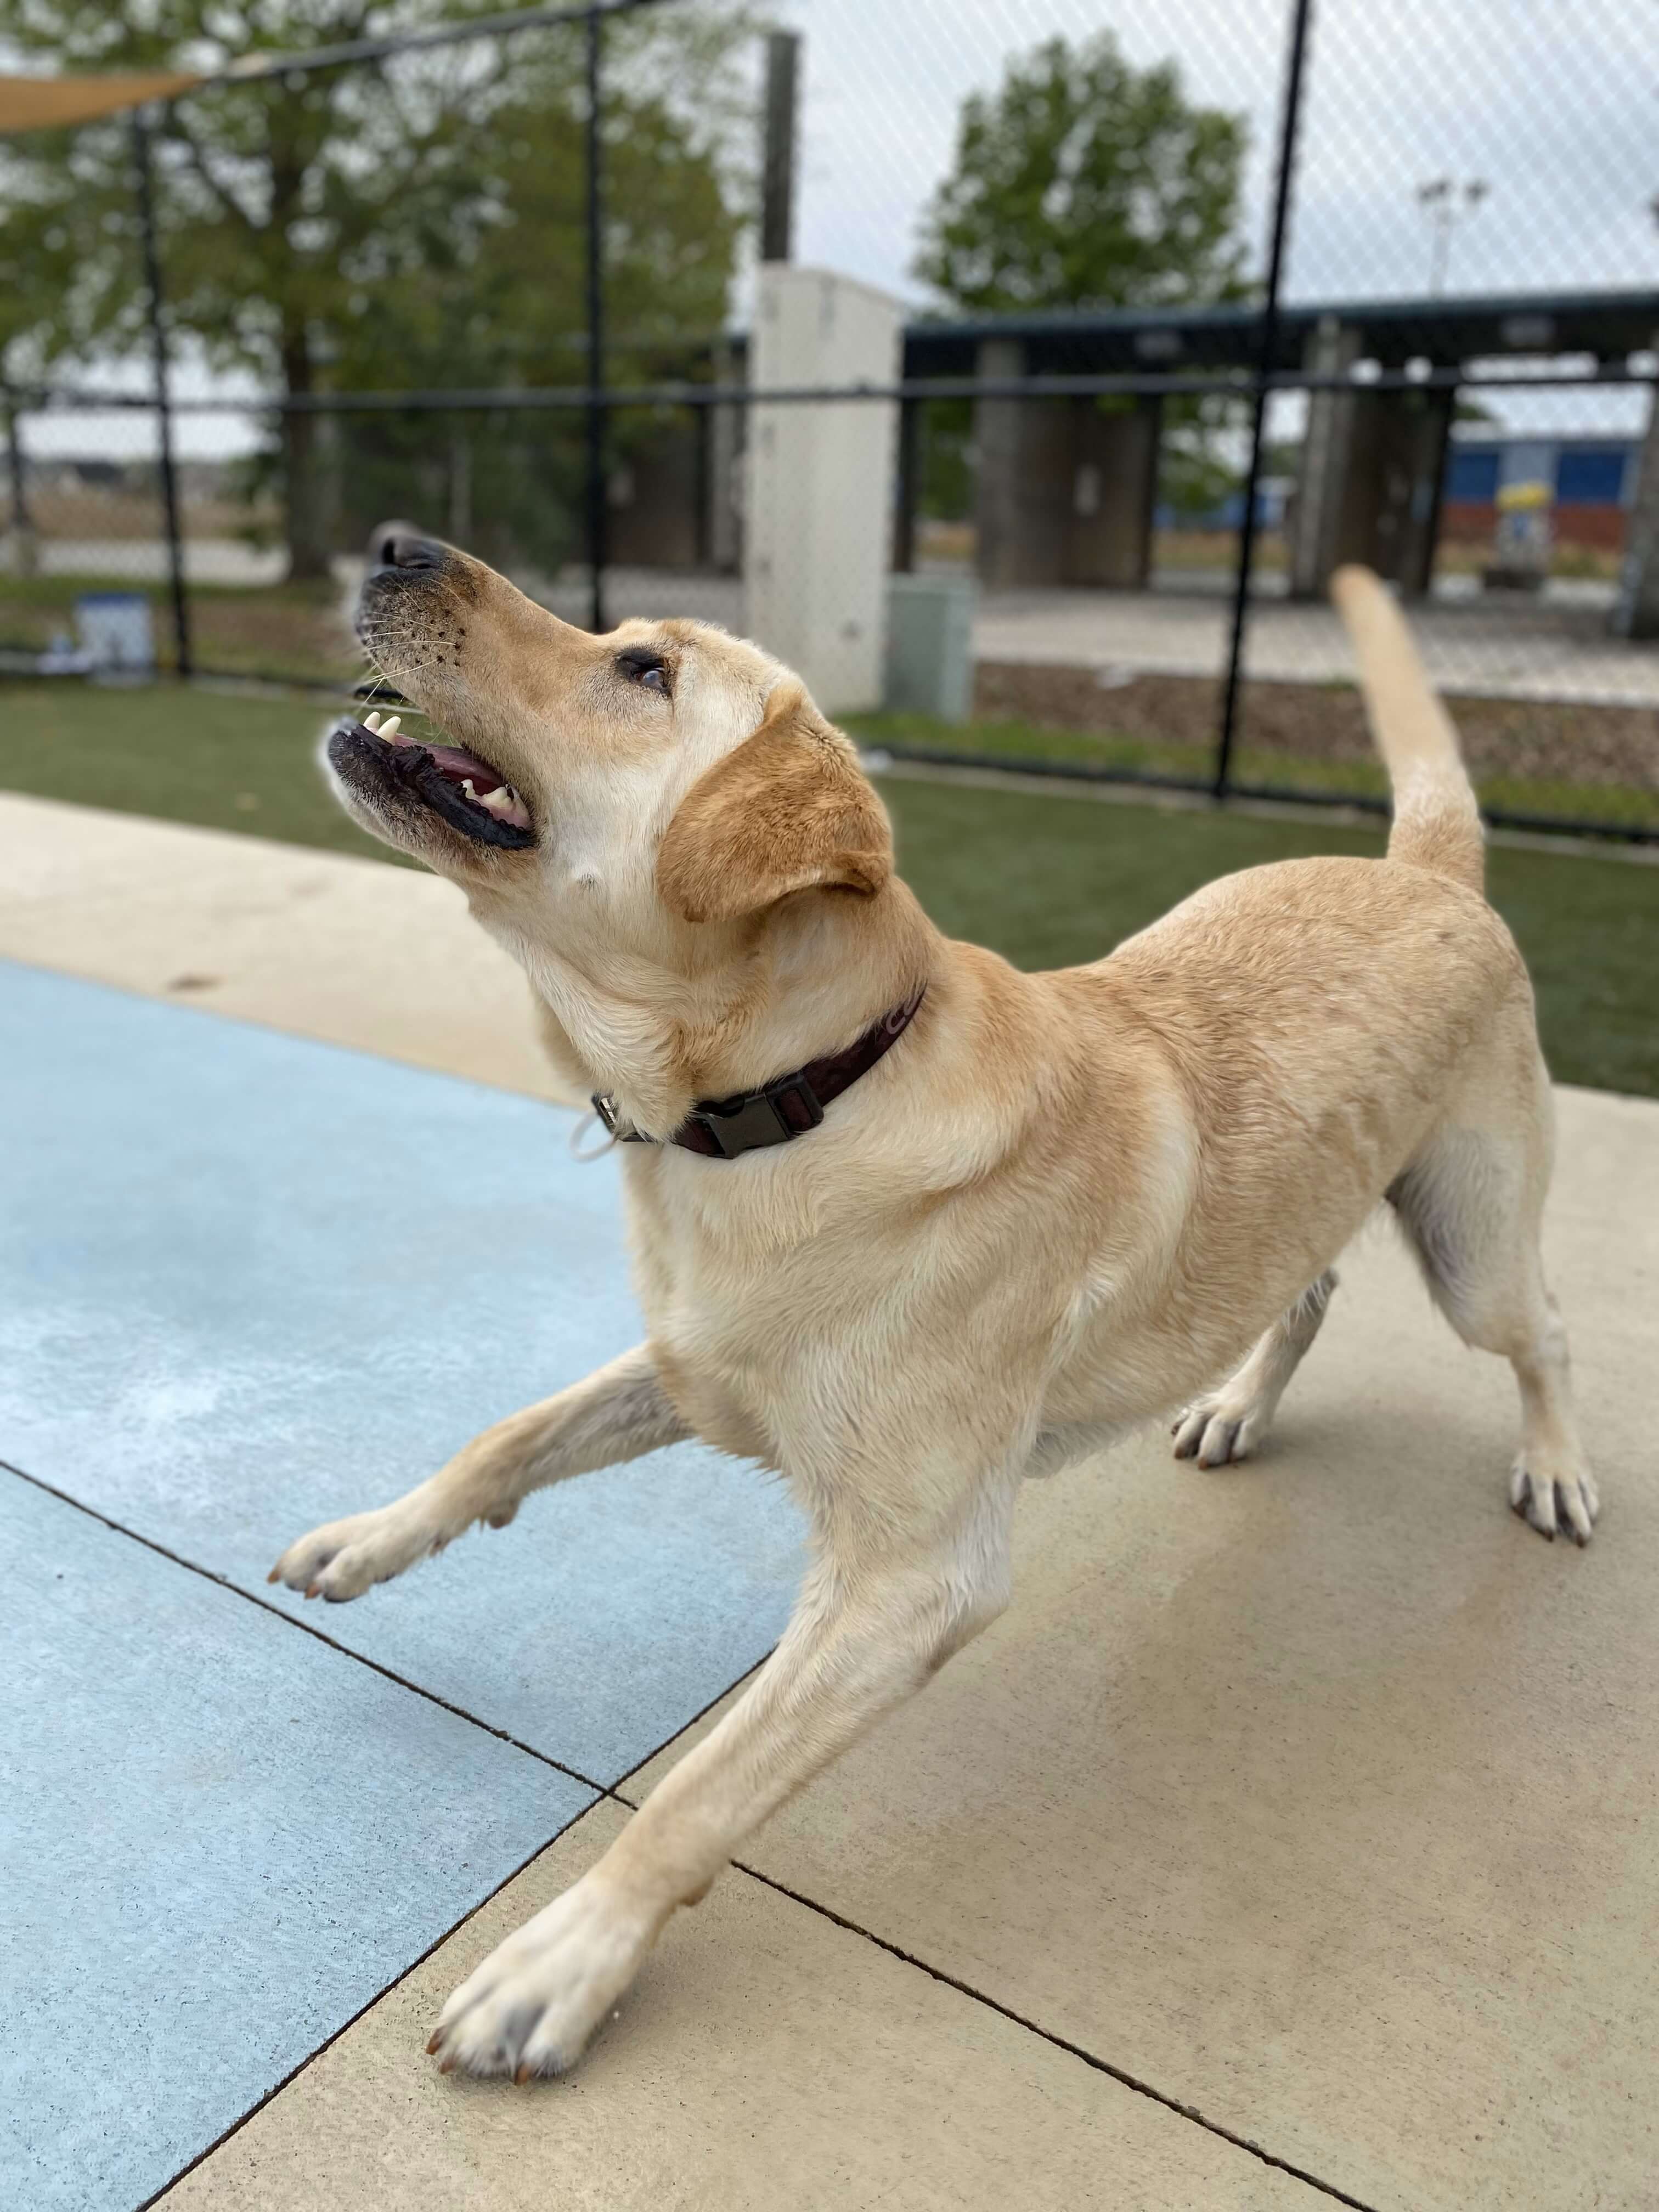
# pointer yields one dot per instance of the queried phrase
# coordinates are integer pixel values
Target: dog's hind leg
(1470, 1205)
(1228, 1422)
(618, 1414)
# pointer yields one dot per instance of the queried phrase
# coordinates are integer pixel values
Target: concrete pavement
(1289, 1842)
(1554, 647)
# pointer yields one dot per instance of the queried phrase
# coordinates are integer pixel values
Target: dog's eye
(644, 667)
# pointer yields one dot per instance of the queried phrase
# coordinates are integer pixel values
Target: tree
(1086, 183)
(510, 312)
(35, 268)
(409, 220)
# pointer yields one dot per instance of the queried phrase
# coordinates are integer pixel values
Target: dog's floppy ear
(788, 810)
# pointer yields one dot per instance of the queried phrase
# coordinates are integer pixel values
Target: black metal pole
(158, 344)
(22, 525)
(909, 486)
(1301, 14)
(597, 515)
(777, 226)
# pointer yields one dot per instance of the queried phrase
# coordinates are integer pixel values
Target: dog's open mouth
(464, 790)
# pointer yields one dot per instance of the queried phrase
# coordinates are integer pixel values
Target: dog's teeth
(372, 722)
(499, 801)
(466, 786)
(390, 727)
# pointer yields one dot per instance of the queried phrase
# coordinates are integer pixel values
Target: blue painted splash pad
(249, 1283)
(219, 1840)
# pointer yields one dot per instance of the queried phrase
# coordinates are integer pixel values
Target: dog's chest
(767, 1325)
(721, 1308)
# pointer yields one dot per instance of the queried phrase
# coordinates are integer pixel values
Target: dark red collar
(785, 1107)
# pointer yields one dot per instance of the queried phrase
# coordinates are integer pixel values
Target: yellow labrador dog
(911, 1226)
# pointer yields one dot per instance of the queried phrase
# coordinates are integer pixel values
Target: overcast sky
(1553, 104)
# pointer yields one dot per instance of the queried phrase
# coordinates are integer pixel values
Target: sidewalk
(1289, 1842)
(1552, 647)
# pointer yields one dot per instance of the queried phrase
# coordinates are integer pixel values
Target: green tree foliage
(1084, 182)
(409, 222)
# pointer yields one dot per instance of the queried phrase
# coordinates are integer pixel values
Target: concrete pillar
(1022, 479)
(655, 497)
(1368, 487)
(1108, 542)
(1636, 610)
(1389, 511)
(1065, 490)
(1422, 442)
(722, 461)
(1322, 480)
(819, 481)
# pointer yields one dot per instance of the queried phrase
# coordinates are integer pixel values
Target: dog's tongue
(460, 765)
(456, 765)
(453, 762)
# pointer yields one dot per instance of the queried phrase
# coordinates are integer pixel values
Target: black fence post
(22, 523)
(777, 226)
(1301, 14)
(158, 342)
(598, 489)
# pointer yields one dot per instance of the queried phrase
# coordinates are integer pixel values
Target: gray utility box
(930, 646)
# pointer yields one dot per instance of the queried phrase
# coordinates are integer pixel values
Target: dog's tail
(1437, 823)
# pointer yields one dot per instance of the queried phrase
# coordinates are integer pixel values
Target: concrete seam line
(612, 1794)
(368, 2005)
(276, 1613)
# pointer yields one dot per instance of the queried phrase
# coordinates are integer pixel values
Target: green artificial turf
(1268, 768)
(291, 631)
(1050, 881)
(227, 761)
(1046, 879)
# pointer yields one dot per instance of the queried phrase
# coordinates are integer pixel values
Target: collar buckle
(788, 1106)
(784, 1109)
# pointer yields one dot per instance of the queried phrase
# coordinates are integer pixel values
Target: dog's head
(663, 779)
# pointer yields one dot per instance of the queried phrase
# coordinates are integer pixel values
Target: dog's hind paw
(1548, 1498)
(1219, 1429)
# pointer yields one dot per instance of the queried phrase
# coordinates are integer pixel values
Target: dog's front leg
(866, 1634)
(618, 1414)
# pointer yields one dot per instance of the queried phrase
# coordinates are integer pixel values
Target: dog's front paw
(348, 1557)
(1546, 1495)
(1218, 1428)
(531, 2006)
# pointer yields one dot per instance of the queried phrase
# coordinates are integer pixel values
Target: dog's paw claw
(1549, 1499)
(531, 2006)
(346, 1558)
(1215, 1433)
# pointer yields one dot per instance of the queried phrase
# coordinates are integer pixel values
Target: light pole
(1446, 204)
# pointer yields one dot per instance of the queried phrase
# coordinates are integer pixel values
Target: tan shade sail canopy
(47, 103)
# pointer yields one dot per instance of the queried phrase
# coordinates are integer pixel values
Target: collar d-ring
(597, 1151)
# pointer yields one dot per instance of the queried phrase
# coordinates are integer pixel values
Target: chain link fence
(1178, 318)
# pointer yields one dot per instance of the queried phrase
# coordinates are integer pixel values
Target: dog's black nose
(401, 545)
